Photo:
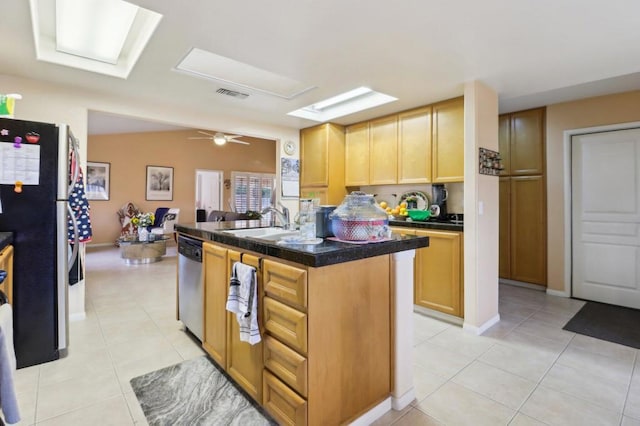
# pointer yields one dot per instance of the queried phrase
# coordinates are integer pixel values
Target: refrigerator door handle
(62, 267)
(76, 237)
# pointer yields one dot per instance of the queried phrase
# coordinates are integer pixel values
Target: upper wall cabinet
(414, 146)
(383, 146)
(418, 146)
(522, 142)
(448, 141)
(322, 159)
(357, 155)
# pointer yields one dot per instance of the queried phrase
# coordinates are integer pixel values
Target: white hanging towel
(243, 301)
(8, 399)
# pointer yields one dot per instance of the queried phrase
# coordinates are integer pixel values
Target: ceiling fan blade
(229, 137)
(205, 133)
(235, 141)
(198, 137)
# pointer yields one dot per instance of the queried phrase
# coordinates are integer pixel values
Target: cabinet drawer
(287, 407)
(286, 324)
(287, 364)
(285, 283)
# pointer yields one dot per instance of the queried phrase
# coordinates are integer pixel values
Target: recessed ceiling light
(343, 104)
(202, 63)
(101, 36)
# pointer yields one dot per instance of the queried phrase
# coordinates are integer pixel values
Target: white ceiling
(532, 52)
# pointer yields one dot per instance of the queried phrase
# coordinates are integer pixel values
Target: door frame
(568, 194)
(220, 189)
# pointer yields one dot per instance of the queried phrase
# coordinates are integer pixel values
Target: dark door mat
(615, 324)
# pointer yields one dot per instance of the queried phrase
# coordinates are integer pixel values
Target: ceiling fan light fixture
(219, 139)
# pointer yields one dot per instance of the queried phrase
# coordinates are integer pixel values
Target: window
(252, 191)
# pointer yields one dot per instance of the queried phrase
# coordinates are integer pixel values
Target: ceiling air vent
(233, 93)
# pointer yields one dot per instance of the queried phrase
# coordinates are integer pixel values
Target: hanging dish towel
(243, 301)
(8, 399)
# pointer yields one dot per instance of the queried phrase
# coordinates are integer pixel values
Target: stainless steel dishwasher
(190, 285)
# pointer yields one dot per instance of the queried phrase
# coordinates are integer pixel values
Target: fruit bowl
(399, 217)
(419, 214)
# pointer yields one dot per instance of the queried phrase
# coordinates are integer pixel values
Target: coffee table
(135, 252)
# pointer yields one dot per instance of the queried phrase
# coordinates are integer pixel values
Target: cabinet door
(448, 141)
(6, 264)
(527, 142)
(244, 361)
(504, 132)
(383, 161)
(504, 270)
(414, 146)
(215, 299)
(528, 229)
(357, 155)
(438, 281)
(314, 155)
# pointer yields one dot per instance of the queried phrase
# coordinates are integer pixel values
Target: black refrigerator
(37, 155)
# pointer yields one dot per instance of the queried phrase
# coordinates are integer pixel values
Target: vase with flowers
(143, 221)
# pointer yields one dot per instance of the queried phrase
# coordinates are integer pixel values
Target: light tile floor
(525, 370)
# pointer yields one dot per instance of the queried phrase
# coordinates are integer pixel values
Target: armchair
(165, 227)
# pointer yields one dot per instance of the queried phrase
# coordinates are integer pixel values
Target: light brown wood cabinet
(322, 157)
(241, 360)
(527, 229)
(6, 264)
(523, 210)
(414, 146)
(303, 313)
(438, 270)
(448, 141)
(357, 155)
(216, 284)
(383, 144)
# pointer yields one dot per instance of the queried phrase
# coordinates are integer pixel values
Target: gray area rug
(195, 392)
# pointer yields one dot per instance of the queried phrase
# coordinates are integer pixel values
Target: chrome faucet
(283, 216)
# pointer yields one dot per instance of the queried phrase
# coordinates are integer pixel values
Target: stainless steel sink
(265, 234)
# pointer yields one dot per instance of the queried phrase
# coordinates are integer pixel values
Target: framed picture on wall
(97, 181)
(159, 183)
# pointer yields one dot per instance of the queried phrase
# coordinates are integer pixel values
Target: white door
(606, 217)
(209, 190)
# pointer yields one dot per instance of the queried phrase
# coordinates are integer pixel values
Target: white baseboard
(77, 316)
(481, 329)
(374, 414)
(399, 404)
(560, 293)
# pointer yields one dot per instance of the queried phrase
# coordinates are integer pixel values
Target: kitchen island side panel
(349, 339)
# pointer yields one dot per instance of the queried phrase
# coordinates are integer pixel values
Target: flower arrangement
(143, 219)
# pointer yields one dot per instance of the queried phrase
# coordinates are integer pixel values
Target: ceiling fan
(219, 138)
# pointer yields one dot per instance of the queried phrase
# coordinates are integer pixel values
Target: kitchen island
(335, 320)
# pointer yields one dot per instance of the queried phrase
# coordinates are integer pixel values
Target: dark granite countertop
(430, 224)
(316, 255)
(6, 238)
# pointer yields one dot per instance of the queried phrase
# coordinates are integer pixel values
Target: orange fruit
(383, 204)
(404, 204)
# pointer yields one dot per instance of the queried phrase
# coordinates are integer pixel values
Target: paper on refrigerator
(19, 164)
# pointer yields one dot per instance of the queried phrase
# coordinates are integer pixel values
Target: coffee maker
(439, 200)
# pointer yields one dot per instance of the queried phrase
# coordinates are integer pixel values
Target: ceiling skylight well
(202, 63)
(343, 104)
(103, 36)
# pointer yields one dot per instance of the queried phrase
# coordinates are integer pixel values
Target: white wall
(481, 210)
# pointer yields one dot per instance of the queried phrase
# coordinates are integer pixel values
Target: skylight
(101, 36)
(209, 65)
(343, 104)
